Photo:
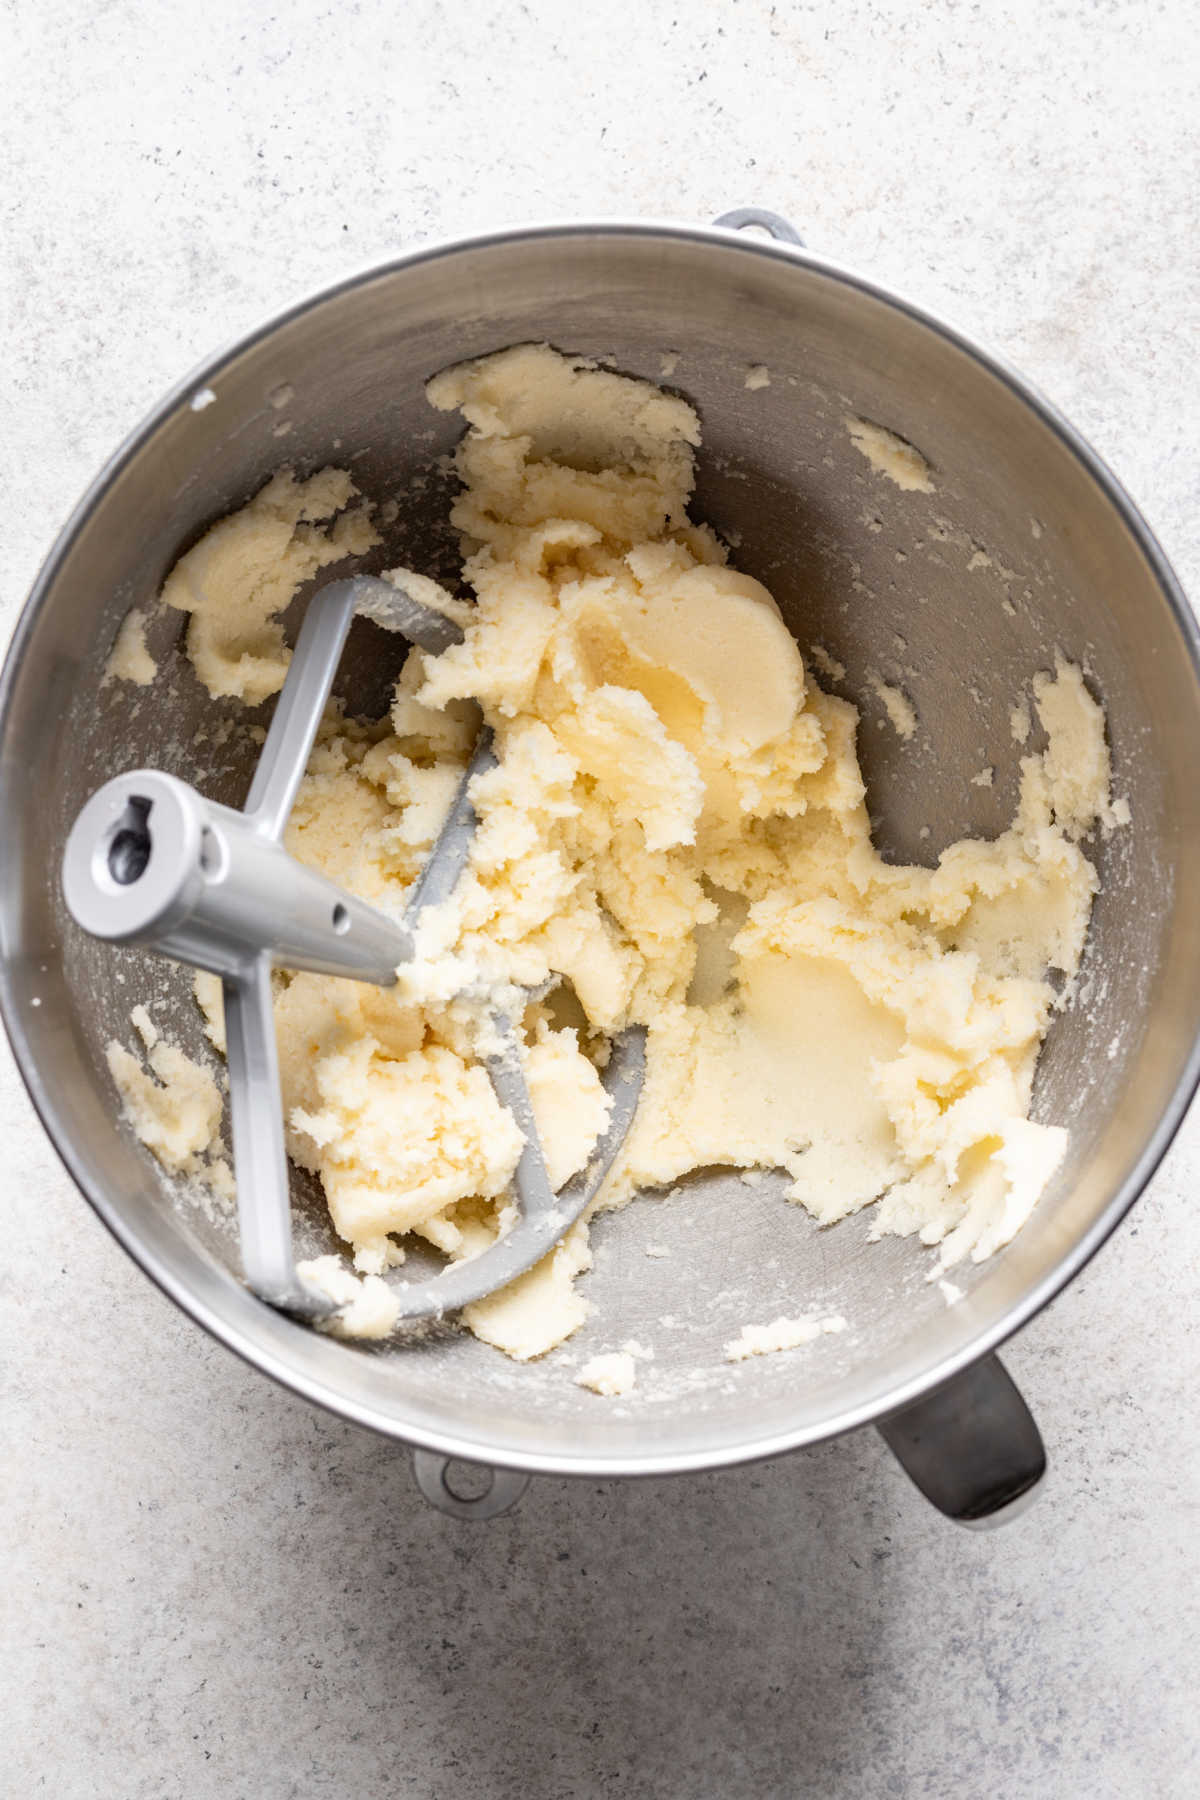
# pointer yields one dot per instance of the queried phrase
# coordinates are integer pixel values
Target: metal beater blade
(150, 861)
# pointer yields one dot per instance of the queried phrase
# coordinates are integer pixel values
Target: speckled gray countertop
(215, 1591)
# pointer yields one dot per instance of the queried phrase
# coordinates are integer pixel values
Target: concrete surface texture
(213, 1591)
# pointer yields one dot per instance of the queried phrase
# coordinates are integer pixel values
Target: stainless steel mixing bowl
(1026, 544)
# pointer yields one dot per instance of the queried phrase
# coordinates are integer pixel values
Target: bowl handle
(971, 1446)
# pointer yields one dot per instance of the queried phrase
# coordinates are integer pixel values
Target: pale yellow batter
(130, 660)
(678, 828)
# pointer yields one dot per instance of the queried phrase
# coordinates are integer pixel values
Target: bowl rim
(750, 1447)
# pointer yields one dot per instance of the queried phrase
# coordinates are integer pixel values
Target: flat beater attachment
(150, 861)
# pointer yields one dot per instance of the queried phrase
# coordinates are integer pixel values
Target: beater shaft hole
(129, 846)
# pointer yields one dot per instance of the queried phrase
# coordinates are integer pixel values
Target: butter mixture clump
(678, 830)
